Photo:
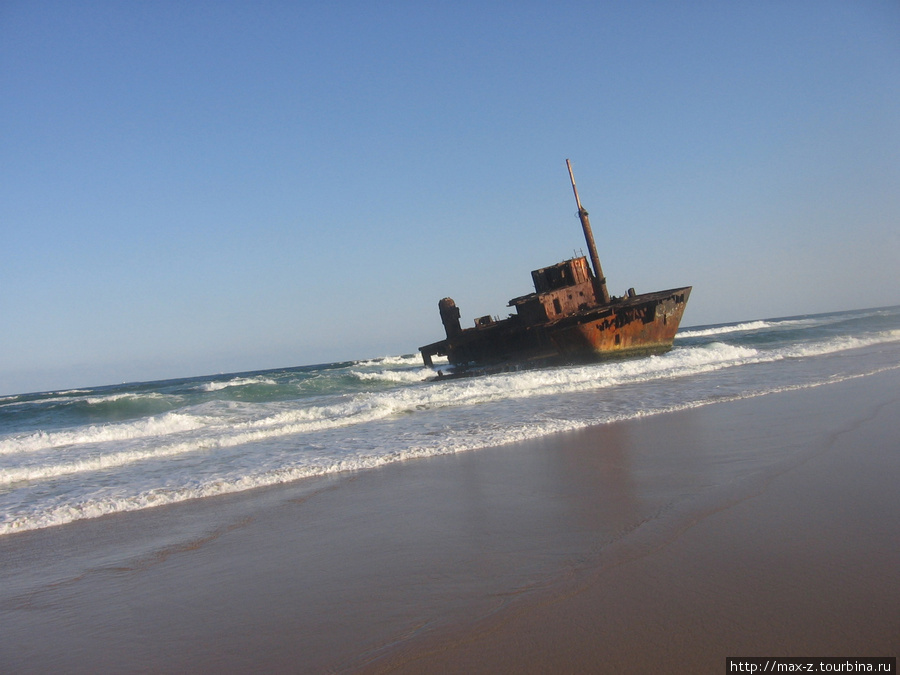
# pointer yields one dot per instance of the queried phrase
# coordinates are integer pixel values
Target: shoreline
(679, 538)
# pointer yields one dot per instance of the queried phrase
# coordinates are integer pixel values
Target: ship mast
(600, 291)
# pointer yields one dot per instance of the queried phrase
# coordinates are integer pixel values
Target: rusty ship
(569, 318)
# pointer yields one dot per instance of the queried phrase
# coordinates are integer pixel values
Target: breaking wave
(237, 382)
(163, 425)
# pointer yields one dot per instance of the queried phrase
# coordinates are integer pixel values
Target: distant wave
(721, 330)
(399, 376)
(771, 324)
(110, 398)
(405, 360)
(840, 344)
(90, 400)
(237, 382)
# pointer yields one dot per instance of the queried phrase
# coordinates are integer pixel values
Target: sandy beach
(765, 526)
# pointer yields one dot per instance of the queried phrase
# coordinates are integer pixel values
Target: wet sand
(768, 526)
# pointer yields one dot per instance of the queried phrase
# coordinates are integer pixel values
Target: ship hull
(644, 324)
(636, 326)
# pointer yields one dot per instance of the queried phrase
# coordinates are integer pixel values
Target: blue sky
(201, 187)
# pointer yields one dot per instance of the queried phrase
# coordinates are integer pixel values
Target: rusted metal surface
(645, 324)
(569, 317)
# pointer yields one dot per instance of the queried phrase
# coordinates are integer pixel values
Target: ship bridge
(559, 290)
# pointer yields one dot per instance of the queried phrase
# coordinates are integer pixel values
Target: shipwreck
(569, 318)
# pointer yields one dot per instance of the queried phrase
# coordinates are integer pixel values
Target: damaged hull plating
(639, 326)
(569, 318)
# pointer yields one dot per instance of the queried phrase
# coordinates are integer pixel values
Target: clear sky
(199, 187)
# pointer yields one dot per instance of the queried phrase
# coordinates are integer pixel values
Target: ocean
(84, 453)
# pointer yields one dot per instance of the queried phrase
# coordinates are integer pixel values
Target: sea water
(84, 453)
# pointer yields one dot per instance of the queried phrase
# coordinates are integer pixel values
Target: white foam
(160, 425)
(288, 423)
(97, 463)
